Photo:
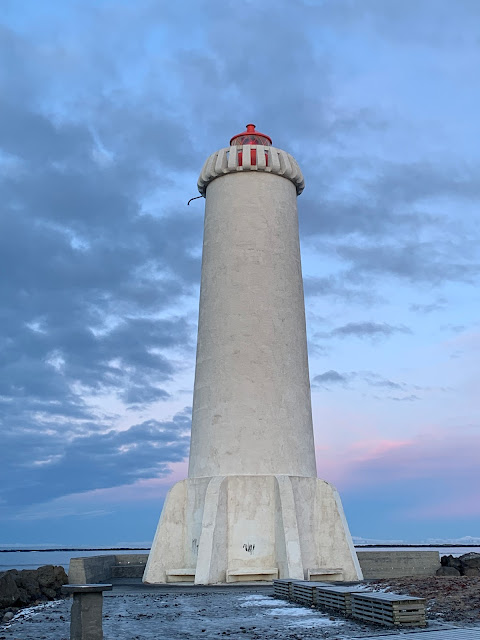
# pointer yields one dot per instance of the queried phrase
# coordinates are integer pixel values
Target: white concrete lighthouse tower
(252, 507)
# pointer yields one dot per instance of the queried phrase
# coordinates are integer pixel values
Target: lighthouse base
(246, 528)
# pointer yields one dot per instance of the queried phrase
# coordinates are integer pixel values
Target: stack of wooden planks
(388, 609)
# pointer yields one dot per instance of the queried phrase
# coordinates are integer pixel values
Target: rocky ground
(246, 614)
(449, 599)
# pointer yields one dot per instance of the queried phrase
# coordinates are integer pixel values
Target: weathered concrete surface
(131, 565)
(91, 570)
(86, 617)
(398, 564)
(276, 526)
(86, 613)
(96, 569)
(251, 404)
(374, 564)
(130, 559)
(252, 507)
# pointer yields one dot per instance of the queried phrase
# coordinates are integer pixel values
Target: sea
(36, 557)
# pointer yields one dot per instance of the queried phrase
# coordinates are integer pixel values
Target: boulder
(22, 588)
(46, 575)
(450, 561)
(27, 580)
(470, 560)
(9, 593)
(471, 571)
(51, 594)
(447, 571)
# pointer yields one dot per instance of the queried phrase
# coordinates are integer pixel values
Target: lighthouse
(252, 507)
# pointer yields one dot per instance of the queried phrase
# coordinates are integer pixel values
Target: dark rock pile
(22, 588)
(466, 565)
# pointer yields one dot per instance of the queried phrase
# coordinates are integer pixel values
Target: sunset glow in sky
(108, 111)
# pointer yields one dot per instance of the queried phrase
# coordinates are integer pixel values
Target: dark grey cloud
(429, 307)
(370, 378)
(92, 288)
(374, 380)
(363, 380)
(368, 330)
(415, 23)
(86, 271)
(384, 225)
(102, 134)
(330, 377)
(56, 463)
(417, 262)
(339, 287)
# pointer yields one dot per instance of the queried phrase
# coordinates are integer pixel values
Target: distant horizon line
(357, 546)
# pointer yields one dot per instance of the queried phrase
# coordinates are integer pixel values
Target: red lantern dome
(250, 136)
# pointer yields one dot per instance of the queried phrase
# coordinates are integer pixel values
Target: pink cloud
(341, 466)
(435, 454)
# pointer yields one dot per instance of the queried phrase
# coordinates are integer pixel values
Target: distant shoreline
(75, 549)
(357, 546)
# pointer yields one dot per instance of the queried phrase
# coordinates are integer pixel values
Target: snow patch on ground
(31, 612)
(317, 622)
(289, 611)
(259, 601)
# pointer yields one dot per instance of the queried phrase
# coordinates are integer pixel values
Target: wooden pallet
(281, 589)
(389, 609)
(302, 592)
(334, 598)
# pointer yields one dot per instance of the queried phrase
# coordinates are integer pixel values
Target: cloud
(96, 279)
(434, 469)
(429, 307)
(58, 462)
(336, 286)
(330, 377)
(424, 262)
(356, 381)
(375, 380)
(106, 119)
(368, 330)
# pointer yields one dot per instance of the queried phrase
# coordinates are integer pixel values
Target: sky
(108, 112)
